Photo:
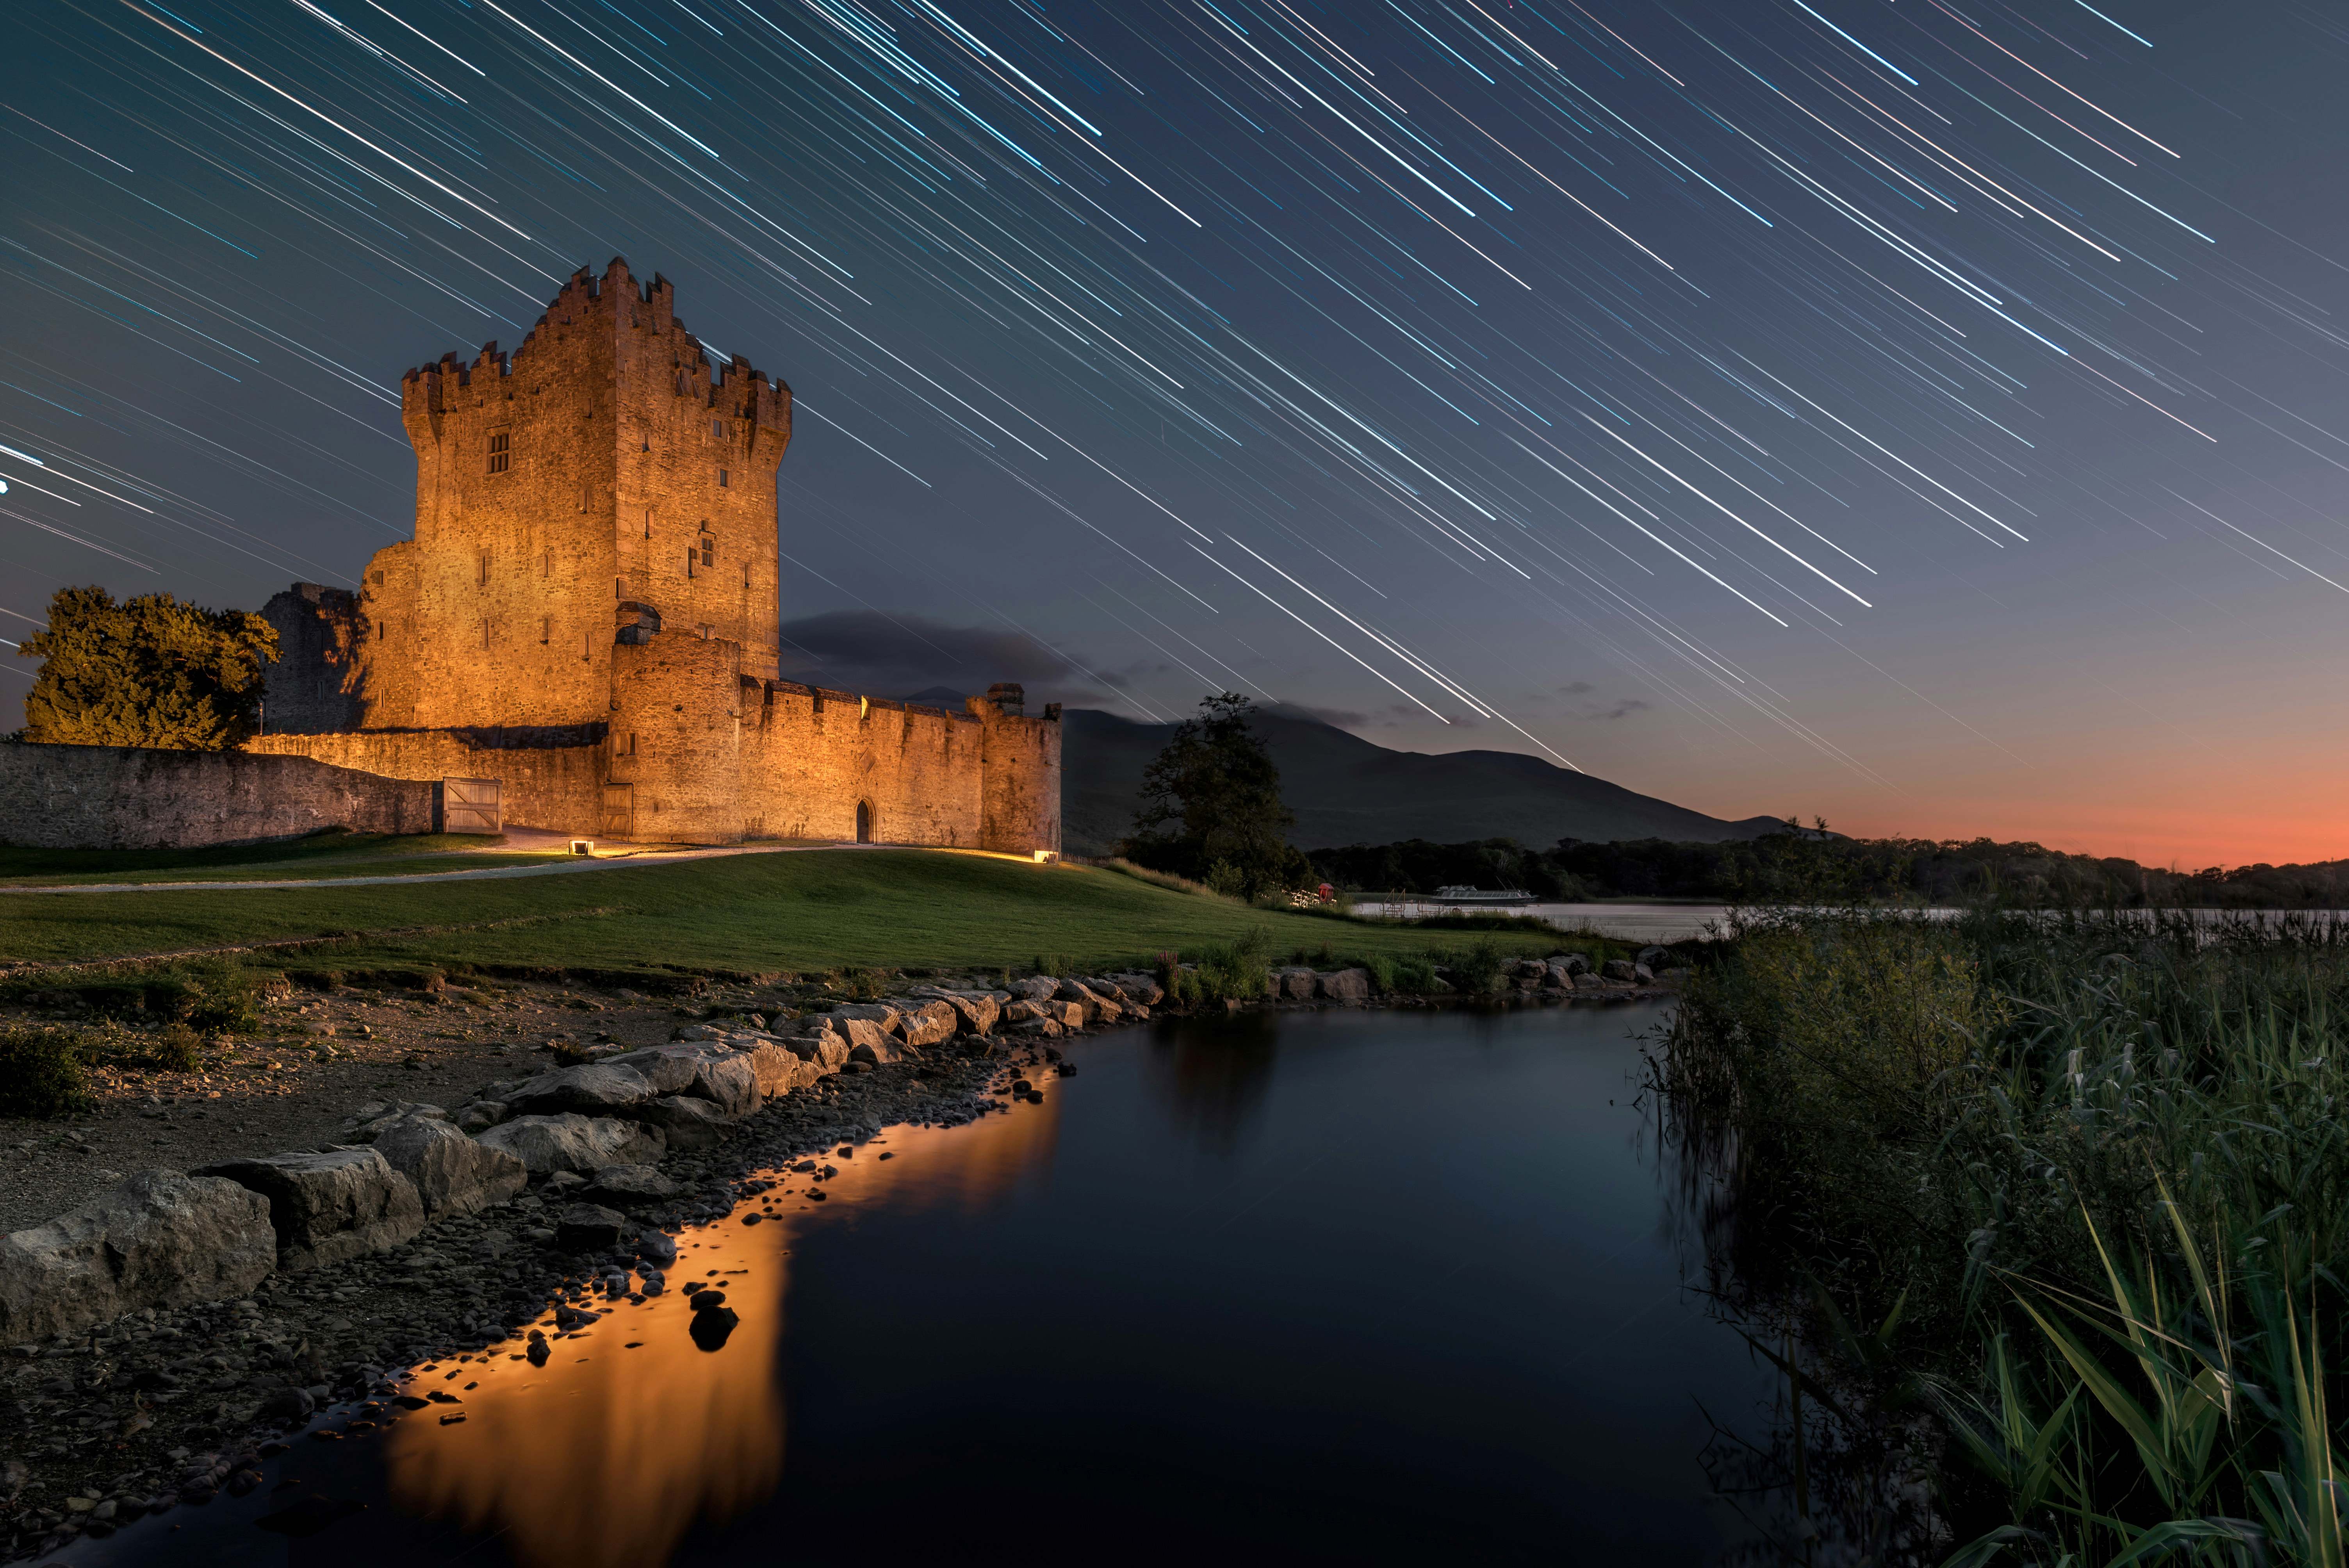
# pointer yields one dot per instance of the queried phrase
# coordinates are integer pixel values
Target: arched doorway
(864, 822)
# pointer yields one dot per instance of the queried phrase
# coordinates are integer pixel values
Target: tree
(150, 671)
(1211, 807)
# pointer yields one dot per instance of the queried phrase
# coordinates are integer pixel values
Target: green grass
(807, 911)
(330, 853)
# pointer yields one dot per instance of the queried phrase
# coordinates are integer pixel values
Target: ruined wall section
(676, 736)
(550, 778)
(315, 685)
(132, 798)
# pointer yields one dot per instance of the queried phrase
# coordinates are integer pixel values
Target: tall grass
(2103, 1160)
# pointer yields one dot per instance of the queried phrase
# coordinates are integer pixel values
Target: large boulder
(588, 1228)
(598, 1089)
(706, 1070)
(868, 1032)
(1295, 984)
(1344, 986)
(161, 1239)
(880, 1015)
(685, 1121)
(1098, 1008)
(1619, 970)
(773, 1067)
(574, 1142)
(976, 1012)
(454, 1174)
(928, 1023)
(824, 1051)
(1141, 989)
(331, 1205)
(1036, 987)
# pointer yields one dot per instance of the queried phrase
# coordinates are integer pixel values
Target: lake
(1324, 1287)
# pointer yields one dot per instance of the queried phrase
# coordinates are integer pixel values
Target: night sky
(1925, 415)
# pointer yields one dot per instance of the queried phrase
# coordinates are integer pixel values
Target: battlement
(607, 306)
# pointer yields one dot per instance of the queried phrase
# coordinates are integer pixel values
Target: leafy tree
(150, 671)
(1211, 807)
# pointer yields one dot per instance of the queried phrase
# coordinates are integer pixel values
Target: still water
(1335, 1286)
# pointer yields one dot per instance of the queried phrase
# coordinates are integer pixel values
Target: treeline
(1798, 867)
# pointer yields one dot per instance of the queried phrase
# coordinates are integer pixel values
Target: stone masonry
(588, 612)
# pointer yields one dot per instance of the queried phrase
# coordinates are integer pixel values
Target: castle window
(689, 560)
(485, 632)
(707, 631)
(632, 743)
(546, 563)
(721, 479)
(482, 562)
(546, 628)
(379, 579)
(709, 550)
(649, 522)
(619, 587)
(586, 498)
(718, 428)
(586, 644)
(501, 450)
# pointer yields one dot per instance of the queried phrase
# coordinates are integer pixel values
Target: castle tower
(607, 474)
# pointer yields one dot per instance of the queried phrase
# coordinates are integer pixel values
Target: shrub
(175, 1047)
(42, 1071)
(1481, 968)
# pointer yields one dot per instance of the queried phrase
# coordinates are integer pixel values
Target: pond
(1333, 1285)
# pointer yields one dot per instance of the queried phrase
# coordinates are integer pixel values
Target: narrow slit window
(482, 563)
(586, 644)
(649, 522)
(485, 633)
(546, 563)
(718, 428)
(721, 479)
(546, 628)
(501, 450)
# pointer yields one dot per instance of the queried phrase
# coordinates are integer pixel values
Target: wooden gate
(619, 816)
(470, 806)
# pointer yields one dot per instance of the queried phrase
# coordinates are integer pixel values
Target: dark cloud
(868, 653)
(1577, 688)
(1342, 718)
(1622, 708)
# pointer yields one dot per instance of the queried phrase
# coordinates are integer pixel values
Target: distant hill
(1347, 790)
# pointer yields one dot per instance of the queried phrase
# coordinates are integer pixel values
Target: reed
(2101, 1157)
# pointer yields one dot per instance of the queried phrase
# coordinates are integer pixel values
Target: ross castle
(587, 614)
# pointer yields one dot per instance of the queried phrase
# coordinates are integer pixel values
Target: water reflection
(651, 1420)
(1213, 1074)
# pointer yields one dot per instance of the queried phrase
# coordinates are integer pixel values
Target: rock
(1572, 963)
(684, 1121)
(880, 1013)
(1097, 1007)
(288, 1405)
(656, 1247)
(773, 1068)
(698, 1031)
(161, 1239)
(598, 1089)
(712, 1326)
(1023, 1012)
(588, 1228)
(710, 1070)
(454, 1173)
(976, 1012)
(1344, 986)
(1140, 989)
(868, 1032)
(1036, 987)
(928, 1023)
(1653, 957)
(1617, 969)
(630, 1187)
(481, 1115)
(1293, 984)
(574, 1142)
(329, 1206)
(826, 1052)
(1587, 981)
(1555, 978)
(1643, 974)
(1047, 1028)
(562, 1184)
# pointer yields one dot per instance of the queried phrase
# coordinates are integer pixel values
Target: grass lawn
(903, 908)
(328, 854)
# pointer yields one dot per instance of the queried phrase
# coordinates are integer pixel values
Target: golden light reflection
(606, 1456)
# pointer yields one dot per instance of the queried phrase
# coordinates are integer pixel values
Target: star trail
(1931, 412)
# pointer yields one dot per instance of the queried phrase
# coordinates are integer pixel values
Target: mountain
(1347, 790)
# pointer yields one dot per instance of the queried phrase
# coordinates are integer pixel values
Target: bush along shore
(2044, 1218)
(171, 1333)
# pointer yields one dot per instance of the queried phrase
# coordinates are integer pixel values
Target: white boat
(1467, 895)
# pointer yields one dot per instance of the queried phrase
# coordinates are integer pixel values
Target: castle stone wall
(131, 797)
(550, 779)
(314, 685)
(676, 736)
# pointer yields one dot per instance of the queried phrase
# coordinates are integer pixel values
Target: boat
(1477, 895)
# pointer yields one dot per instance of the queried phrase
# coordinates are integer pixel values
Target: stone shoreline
(165, 1408)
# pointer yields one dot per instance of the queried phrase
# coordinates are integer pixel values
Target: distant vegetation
(2077, 1185)
(150, 671)
(1211, 808)
(1809, 867)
